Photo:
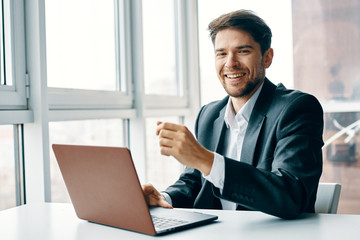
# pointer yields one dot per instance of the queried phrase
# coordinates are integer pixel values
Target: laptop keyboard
(163, 222)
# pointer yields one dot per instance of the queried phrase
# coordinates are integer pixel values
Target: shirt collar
(231, 119)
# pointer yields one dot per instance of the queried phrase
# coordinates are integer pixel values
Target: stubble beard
(248, 89)
(250, 85)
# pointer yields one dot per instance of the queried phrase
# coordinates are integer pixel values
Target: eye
(220, 54)
(244, 51)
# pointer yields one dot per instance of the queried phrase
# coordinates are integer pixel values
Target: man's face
(239, 63)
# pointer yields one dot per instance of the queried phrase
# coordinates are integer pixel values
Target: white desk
(51, 221)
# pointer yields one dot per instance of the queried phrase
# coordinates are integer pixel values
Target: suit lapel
(220, 131)
(251, 136)
(257, 119)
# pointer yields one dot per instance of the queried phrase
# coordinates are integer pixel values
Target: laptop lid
(104, 188)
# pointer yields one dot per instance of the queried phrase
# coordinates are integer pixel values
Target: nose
(231, 61)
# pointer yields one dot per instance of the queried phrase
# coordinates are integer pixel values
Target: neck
(239, 102)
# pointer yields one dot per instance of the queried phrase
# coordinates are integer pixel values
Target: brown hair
(243, 20)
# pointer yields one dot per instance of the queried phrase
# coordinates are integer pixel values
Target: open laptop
(104, 188)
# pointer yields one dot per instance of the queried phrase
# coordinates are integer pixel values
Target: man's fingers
(166, 151)
(167, 126)
(164, 133)
(163, 203)
(149, 189)
(165, 142)
(153, 197)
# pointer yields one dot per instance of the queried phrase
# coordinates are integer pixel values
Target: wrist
(207, 163)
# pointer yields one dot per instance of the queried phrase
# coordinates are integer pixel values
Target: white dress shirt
(233, 141)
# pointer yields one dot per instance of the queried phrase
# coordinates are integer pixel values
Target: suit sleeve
(284, 184)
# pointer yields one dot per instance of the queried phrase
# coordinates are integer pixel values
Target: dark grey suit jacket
(281, 160)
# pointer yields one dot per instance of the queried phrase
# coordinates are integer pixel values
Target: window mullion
(19, 165)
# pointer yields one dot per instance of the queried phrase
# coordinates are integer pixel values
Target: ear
(267, 58)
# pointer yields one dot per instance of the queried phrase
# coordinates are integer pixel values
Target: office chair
(327, 199)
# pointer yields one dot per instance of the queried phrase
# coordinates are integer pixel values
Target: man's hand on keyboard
(153, 197)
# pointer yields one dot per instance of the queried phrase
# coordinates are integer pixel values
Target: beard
(246, 91)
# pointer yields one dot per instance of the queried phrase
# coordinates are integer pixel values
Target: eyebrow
(239, 47)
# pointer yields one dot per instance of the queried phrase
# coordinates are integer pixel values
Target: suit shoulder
(286, 97)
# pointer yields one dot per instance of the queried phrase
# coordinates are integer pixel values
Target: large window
(120, 60)
(93, 73)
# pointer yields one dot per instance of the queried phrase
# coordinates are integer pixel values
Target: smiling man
(257, 149)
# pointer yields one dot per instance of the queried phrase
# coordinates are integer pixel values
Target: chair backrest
(327, 199)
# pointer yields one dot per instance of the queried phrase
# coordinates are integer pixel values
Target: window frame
(14, 97)
(340, 106)
(182, 100)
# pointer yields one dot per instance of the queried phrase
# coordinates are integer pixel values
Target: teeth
(235, 75)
